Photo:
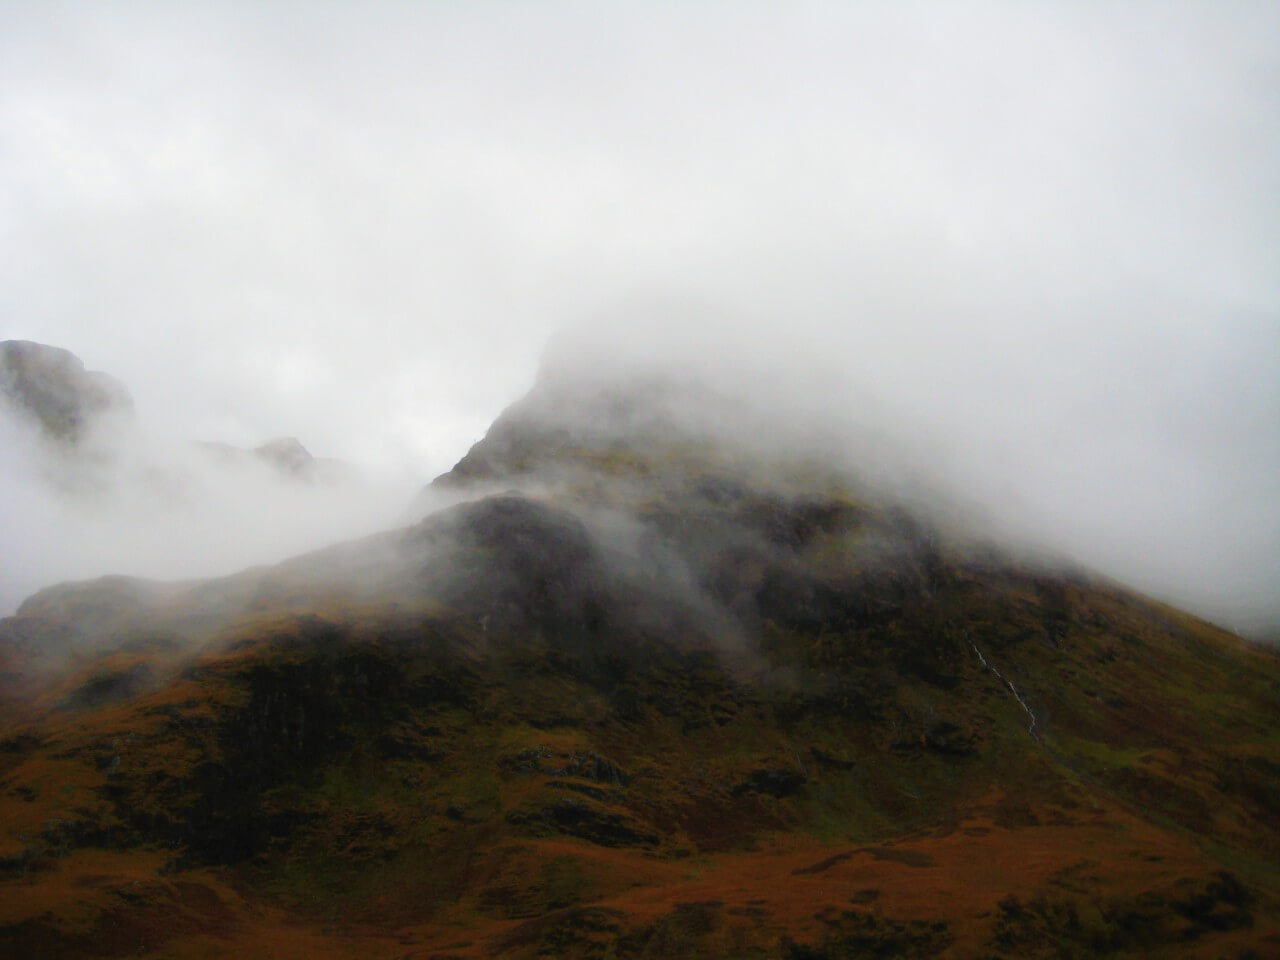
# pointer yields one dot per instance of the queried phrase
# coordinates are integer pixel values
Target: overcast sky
(1048, 233)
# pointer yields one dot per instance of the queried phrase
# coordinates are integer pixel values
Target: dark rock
(950, 738)
(595, 793)
(831, 760)
(777, 782)
(592, 766)
(578, 818)
(516, 565)
(297, 715)
(408, 745)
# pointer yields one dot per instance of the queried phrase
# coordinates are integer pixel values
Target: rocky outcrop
(585, 820)
(50, 388)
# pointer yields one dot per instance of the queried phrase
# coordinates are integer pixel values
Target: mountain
(50, 388)
(656, 677)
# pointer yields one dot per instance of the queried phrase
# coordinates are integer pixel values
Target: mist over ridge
(1093, 472)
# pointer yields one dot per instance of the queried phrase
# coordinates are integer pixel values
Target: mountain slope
(652, 688)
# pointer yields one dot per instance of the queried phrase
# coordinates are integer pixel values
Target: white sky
(1049, 230)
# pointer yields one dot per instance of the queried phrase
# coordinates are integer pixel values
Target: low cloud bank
(128, 502)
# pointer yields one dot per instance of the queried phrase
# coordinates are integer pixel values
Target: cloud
(131, 501)
(1046, 232)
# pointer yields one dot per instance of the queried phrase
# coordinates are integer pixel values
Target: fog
(1035, 244)
(130, 501)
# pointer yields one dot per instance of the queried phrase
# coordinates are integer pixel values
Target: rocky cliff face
(50, 388)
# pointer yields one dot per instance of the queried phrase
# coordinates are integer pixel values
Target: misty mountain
(647, 679)
(50, 388)
(89, 485)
